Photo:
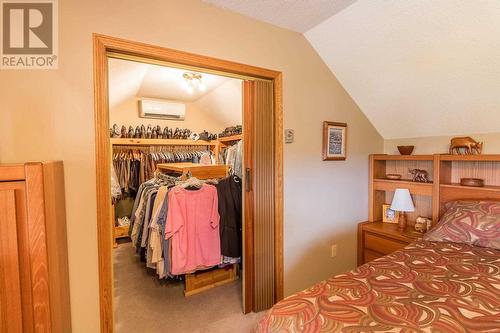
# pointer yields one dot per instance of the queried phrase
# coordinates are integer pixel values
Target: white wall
(218, 109)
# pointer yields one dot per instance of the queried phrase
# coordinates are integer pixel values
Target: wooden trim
(57, 248)
(326, 124)
(436, 178)
(104, 45)
(103, 190)
(163, 54)
(12, 172)
(278, 188)
(37, 239)
(10, 282)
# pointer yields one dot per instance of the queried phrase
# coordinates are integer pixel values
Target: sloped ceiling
(129, 79)
(296, 15)
(416, 67)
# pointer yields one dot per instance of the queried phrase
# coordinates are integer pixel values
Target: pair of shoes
(229, 131)
(114, 132)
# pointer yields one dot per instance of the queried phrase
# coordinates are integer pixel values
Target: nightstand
(376, 239)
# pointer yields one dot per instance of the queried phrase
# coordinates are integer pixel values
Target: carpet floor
(145, 304)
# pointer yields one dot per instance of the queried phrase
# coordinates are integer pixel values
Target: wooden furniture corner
(444, 172)
(377, 239)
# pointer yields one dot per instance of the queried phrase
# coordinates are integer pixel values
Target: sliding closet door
(259, 266)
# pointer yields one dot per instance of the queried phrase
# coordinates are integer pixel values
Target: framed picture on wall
(334, 141)
(389, 215)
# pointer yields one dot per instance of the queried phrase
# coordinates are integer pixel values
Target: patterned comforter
(426, 287)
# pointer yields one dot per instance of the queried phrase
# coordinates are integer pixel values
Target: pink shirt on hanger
(193, 224)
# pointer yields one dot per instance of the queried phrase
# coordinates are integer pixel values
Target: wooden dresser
(376, 239)
(34, 291)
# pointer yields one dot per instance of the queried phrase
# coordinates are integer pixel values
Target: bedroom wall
(218, 109)
(48, 115)
(441, 144)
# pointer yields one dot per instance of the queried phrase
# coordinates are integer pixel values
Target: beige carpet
(145, 304)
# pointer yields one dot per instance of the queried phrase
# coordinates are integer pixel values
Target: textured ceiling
(296, 15)
(418, 68)
(128, 79)
(415, 67)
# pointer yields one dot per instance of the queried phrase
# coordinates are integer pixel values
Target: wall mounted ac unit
(161, 109)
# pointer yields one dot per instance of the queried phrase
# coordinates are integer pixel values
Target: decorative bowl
(474, 182)
(393, 176)
(406, 150)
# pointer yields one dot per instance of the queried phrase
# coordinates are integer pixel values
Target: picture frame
(334, 141)
(389, 215)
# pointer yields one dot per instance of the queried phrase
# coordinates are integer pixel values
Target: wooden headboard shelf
(444, 171)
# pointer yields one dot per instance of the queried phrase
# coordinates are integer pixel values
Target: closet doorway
(261, 174)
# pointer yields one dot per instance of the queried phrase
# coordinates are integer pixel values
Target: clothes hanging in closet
(193, 226)
(233, 156)
(175, 230)
(137, 164)
(229, 198)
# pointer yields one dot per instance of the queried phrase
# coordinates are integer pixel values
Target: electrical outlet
(333, 251)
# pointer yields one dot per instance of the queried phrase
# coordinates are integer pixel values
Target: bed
(450, 285)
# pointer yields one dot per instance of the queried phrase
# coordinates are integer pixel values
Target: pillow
(470, 222)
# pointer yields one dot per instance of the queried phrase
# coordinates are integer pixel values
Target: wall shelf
(392, 185)
(161, 142)
(490, 188)
(384, 157)
(471, 158)
(236, 137)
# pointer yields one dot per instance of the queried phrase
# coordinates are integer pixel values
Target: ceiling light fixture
(193, 81)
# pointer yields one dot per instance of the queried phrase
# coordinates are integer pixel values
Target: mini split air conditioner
(161, 109)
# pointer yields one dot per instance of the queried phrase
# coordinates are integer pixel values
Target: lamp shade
(402, 201)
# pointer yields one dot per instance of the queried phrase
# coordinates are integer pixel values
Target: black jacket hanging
(229, 196)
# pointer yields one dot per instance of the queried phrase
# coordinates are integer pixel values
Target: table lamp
(402, 203)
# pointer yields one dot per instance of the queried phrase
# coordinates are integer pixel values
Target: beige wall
(49, 115)
(441, 144)
(218, 109)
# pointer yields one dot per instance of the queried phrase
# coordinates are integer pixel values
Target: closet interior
(176, 178)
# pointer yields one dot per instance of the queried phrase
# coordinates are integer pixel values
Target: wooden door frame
(102, 47)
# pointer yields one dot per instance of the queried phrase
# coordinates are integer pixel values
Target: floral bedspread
(426, 287)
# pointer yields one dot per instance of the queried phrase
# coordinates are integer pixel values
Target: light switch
(289, 135)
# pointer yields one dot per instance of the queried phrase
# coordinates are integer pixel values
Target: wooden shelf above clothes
(199, 171)
(161, 142)
(231, 138)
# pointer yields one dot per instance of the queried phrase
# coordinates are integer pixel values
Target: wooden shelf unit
(445, 172)
(381, 189)
(376, 239)
(161, 142)
(453, 167)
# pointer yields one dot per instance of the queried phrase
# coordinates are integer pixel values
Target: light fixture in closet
(193, 81)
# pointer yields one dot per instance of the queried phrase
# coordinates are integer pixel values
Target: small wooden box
(204, 280)
(121, 232)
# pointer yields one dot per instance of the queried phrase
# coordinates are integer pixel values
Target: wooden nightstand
(376, 239)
